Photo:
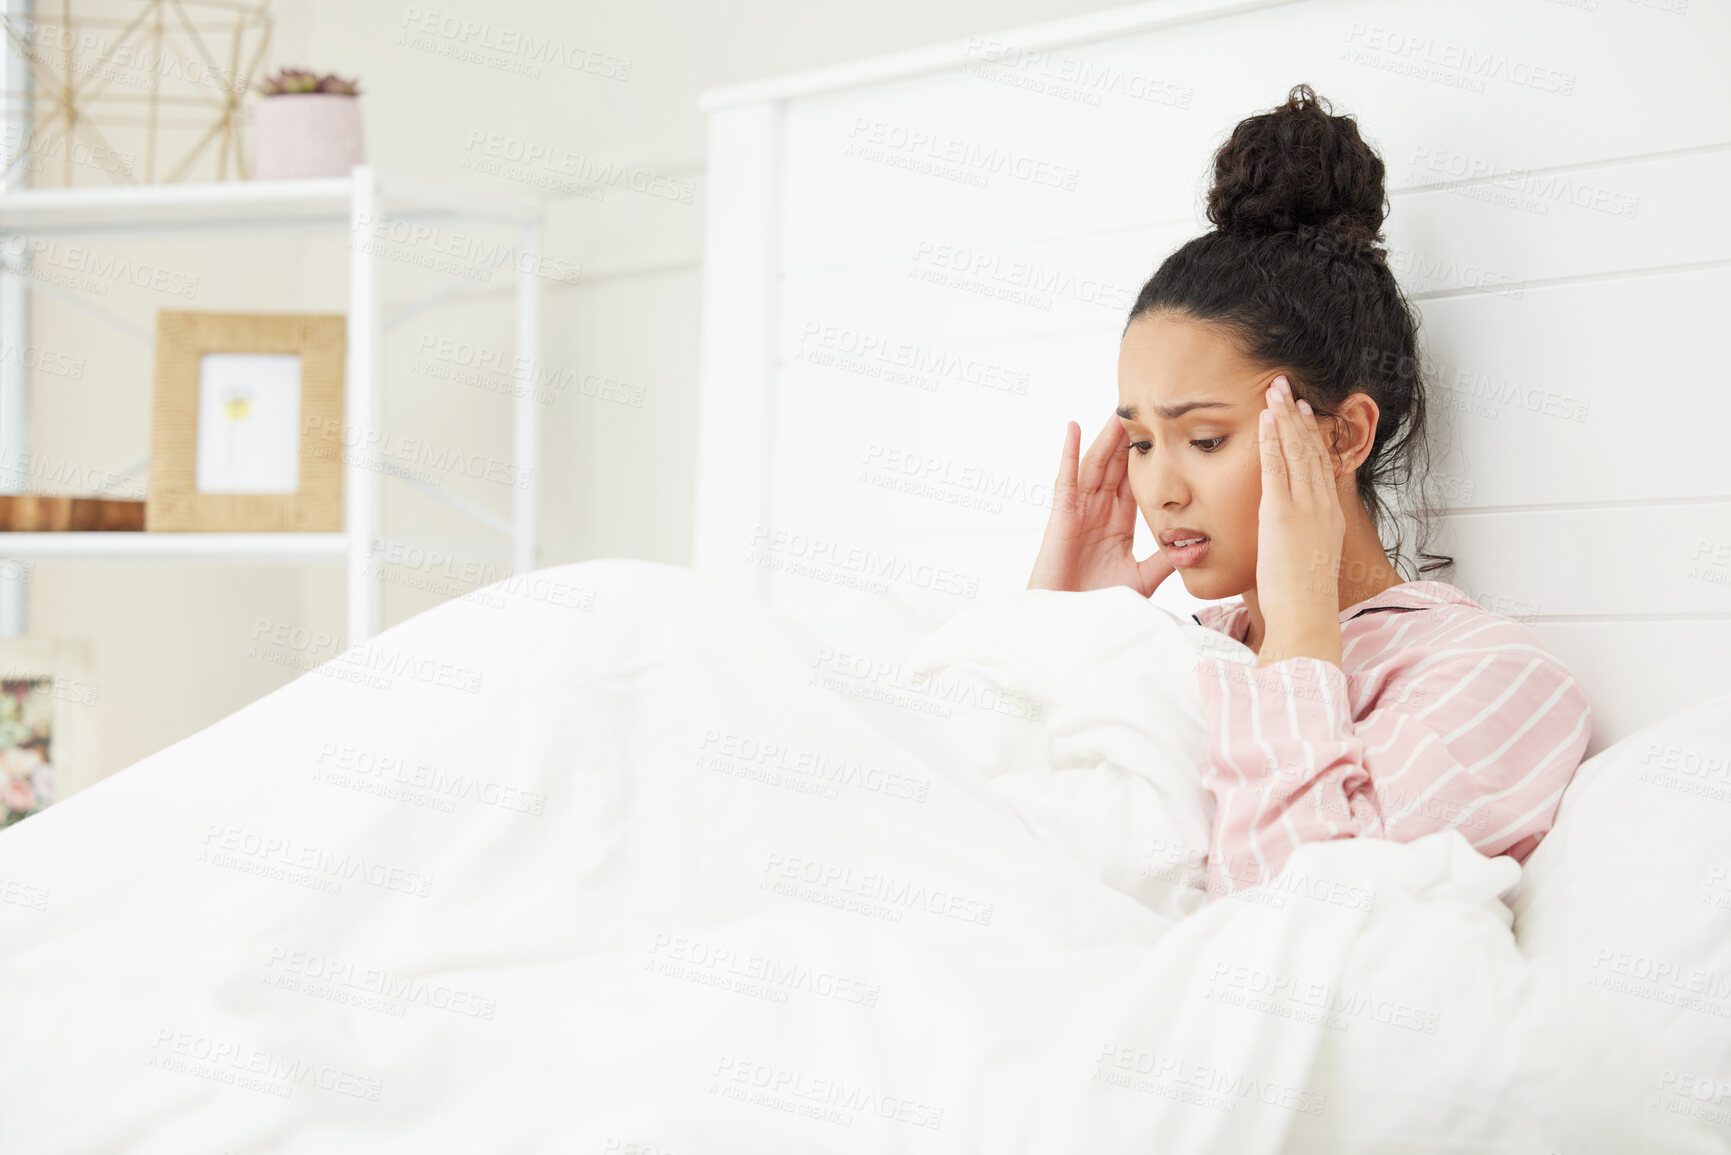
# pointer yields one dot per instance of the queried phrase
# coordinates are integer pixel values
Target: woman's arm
(1482, 736)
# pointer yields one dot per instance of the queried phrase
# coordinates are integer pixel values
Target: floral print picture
(26, 747)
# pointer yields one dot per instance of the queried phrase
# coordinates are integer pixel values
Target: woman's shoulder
(1430, 641)
(1231, 617)
(1409, 621)
(1449, 637)
(1415, 595)
(1446, 613)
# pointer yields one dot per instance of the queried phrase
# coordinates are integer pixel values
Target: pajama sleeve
(1481, 737)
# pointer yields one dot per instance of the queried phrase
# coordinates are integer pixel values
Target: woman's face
(1190, 403)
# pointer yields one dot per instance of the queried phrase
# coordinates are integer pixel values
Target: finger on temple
(1064, 488)
(1093, 466)
(1118, 468)
(1268, 441)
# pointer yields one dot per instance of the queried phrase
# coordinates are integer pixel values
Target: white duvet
(613, 859)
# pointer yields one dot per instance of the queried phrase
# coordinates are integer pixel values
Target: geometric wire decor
(127, 79)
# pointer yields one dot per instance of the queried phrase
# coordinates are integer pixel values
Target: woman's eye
(1206, 445)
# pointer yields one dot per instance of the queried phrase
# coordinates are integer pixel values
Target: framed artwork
(245, 422)
(47, 723)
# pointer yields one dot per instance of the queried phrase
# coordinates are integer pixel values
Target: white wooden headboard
(918, 268)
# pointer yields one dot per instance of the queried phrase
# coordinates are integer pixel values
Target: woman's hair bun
(1298, 167)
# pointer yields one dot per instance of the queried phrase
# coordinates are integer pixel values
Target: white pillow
(1629, 895)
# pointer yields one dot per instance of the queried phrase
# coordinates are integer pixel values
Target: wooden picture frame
(245, 424)
(47, 723)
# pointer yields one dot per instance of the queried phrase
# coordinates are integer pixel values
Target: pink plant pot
(306, 134)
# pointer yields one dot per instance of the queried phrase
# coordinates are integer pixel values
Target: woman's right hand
(1090, 537)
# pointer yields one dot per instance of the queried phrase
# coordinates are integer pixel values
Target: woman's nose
(1166, 481)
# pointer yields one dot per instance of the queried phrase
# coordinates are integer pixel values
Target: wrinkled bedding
(610, 858)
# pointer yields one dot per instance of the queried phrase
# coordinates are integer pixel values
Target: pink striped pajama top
(1450, 716)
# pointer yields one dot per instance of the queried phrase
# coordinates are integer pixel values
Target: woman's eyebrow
(1173, 412)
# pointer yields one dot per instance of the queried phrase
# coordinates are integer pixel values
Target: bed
(794, 851)
(622, 859)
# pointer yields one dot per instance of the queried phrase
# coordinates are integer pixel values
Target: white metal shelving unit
(263, 207)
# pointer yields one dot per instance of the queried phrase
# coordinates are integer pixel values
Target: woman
(1269, 385)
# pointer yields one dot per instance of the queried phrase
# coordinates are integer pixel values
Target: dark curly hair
(1295, 273)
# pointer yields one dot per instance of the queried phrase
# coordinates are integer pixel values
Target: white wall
(173, 645)
(1552, 218)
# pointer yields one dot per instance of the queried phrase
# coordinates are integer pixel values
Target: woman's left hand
(1301, 532)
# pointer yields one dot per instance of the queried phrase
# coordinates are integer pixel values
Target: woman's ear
(1352, 433)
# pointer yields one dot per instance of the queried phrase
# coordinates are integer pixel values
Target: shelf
(240, 548)
(339, 204)
(261, 205)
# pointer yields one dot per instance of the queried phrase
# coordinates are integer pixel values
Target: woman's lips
(1182, 557)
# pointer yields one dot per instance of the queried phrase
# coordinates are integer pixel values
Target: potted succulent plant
(306, 125)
